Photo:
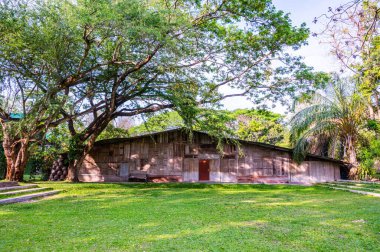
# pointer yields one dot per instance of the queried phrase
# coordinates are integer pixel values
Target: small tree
(336, 118)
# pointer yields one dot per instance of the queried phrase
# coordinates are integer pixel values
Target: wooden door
(204, 170)
(124, 171)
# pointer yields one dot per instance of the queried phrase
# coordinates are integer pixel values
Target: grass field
(192, 217)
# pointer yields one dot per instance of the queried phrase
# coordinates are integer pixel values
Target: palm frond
(310, 116)
(338, 114)
(302, 145)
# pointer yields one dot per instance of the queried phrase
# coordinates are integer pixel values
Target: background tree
(158, 122)
(352, 31)
(112, 131)
(369, 76)
(24, 113)
(34, 54)
(261, 126)
(368, 155)
(252, 125)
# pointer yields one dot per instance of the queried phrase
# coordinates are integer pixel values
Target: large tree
(25, 113)
(334, 119)
(351, 29)
(105, 59)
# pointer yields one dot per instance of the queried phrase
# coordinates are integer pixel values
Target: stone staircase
(14, 193)
(372, 189)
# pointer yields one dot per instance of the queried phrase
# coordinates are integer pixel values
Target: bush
(368, 157)
(40, 161)
(34, 168)
(365, 172)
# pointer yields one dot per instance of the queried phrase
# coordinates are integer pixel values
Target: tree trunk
(16, 154)
(351, 157)
(9, 156)
(76, 164)
(21, 161)
(72, 174)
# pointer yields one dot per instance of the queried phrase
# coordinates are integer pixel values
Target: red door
(204, 170)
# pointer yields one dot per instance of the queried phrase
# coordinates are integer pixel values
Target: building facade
(170, 156)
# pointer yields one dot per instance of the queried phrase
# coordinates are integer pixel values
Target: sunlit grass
(192, 217)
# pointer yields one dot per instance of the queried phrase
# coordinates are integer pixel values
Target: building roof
(260, 144)
(16, 116)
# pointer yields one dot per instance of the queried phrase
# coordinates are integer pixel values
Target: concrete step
(356, 186)
(355, 191)
(359, 181)
(28, 197)
(8, 183)
(11, 188)
(23, 191)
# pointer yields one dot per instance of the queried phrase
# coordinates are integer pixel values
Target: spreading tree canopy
(69, 60)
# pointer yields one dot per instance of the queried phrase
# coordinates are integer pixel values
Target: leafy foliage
(252, 125)
(158, 122)
(369, 75)
(42, 156)
(336, 118)
(58, 138)
(368, 156)
(3, 163)
(261, 126)
(113, 132)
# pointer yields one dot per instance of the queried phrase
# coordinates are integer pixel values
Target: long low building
(171, 156)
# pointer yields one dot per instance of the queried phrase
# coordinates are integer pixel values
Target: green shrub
(40, 161)
(367, 156)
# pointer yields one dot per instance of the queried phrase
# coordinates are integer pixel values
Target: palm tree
(335, 118)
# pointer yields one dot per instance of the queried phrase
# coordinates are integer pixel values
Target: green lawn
(192, 217)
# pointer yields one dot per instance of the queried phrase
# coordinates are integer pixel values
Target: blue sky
(315, 54)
